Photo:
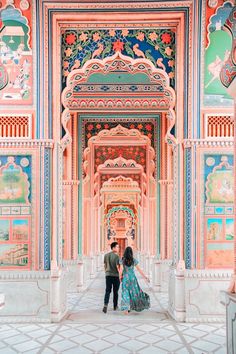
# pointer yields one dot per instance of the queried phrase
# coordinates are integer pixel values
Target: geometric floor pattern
(87, 330)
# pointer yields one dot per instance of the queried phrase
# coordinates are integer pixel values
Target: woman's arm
(142, 273)
(120, 270)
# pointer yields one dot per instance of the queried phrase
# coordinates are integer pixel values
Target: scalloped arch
(161, 97)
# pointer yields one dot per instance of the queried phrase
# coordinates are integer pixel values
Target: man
(111, 264)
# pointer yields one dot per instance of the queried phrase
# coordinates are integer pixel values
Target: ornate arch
(155, 94)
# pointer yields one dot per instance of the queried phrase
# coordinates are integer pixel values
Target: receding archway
(86, 93)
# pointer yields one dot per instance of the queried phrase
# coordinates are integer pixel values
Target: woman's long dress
(133, 298)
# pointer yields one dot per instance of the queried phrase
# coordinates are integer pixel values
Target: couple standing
(116, 270)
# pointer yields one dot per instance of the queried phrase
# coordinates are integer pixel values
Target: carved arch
(156, 95)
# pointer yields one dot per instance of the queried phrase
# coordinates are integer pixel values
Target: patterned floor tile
(204, 345)
(169, 345)
(78, 350)
(26, 346)
(133, 345)
(152, 350)
(149, 338)
(63, 345)
(115, 350)
(116, 338)
(20, 338)
(86, 330)
(98, 345)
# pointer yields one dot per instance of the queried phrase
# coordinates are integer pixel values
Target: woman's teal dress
(133, 298)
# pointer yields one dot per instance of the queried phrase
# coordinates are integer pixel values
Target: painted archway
(131, 86)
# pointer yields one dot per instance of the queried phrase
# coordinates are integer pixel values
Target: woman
(133, 298)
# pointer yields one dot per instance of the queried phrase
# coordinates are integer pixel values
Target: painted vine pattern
(157, 45)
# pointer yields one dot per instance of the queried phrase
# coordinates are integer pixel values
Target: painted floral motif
(93, 128)
(103, 153)
(157, 45)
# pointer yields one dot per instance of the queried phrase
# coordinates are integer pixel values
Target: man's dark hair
(114, 244)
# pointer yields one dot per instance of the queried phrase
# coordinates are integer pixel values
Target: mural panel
(16, 59)
(219, 45)
(218, 210)
(80, 45)
(15, 211)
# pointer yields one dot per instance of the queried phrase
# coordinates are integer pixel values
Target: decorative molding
(165, 182)
(29, 275)
(208, 143)
(24, 319)
(120, 162)
(25, 144)
(70, 182)
(218, 319)
(188, 207)
(120, 182)
(47, 208)
(208, 274)
(120, 131)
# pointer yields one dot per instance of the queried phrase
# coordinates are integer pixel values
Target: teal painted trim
(80, 189)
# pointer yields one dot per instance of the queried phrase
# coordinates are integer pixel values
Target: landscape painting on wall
(4, 230)
(20, 230)
(214, 229)
(14, 186)
(229, 229)
(14, 255)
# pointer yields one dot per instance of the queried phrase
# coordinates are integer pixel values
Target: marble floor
(87, 330)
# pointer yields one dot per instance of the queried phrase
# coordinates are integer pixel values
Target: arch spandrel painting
(16, 58)
(15, 211)
(219, 208)
(81, 45)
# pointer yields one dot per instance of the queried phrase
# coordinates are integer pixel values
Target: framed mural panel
(216, 235)
(15, 243)
(16, 57)
(217, 52)
(18, 235)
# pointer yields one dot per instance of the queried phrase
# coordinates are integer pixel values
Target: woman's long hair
(128, 258)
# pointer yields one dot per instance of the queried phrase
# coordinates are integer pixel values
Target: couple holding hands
(123, 270)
